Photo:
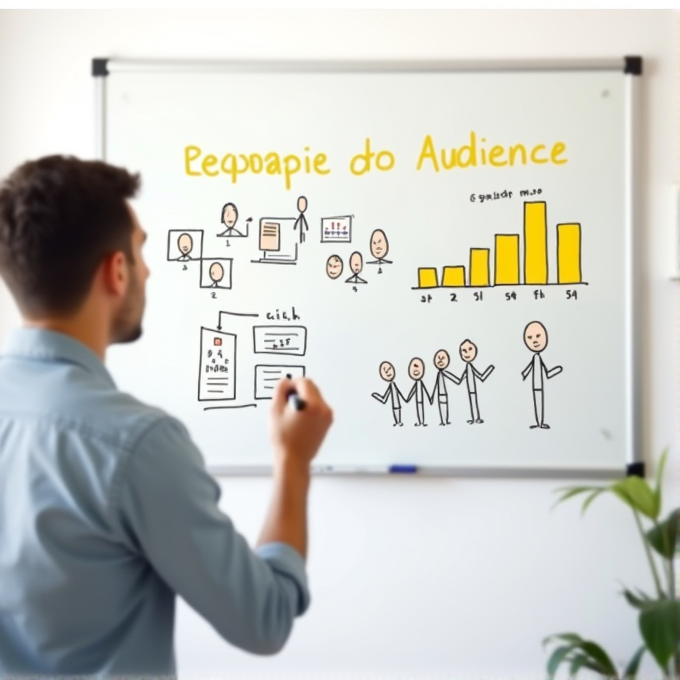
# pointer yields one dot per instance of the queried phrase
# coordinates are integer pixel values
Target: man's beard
(127, 324)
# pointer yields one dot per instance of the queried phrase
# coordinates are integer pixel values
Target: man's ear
(114, 274)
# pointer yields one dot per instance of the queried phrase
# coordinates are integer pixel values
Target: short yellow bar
(535, 243)
(453, 277)
(427, 277)
(479, 266)
(506, 264)
(569, 253)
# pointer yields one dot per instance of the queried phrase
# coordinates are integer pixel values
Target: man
(416, 371)
(106, 509)
(536, 340)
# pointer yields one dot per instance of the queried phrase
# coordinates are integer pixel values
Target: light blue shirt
(107, 512)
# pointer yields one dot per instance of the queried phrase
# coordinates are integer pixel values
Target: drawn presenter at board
(441, 361)
(536, 339)
(468, 353)
(388, 373)
(416, 371)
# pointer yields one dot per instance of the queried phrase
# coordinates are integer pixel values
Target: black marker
(292, 394)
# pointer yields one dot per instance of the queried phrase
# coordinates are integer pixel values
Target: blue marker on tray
(298, 402)
(403, 469)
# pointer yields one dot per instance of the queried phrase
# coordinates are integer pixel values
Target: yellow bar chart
(517, 259)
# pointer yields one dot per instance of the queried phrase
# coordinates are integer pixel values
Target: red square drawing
(218, 342)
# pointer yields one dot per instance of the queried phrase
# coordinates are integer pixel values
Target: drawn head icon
(468, 350)
(379, 244)
(535, 336)
(416, 369)
(216, 272)
(356, 262)
(185, 244)
(229, 215)
(334, 266)
(302, 203)
(387, 371)
(442, 359)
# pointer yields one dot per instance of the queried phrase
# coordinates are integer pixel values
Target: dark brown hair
(59, 218)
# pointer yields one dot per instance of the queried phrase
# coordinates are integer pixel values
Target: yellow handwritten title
(474, 154)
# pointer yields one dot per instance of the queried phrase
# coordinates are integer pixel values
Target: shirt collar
(43, 345)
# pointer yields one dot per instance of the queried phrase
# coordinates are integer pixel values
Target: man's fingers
(281, 392)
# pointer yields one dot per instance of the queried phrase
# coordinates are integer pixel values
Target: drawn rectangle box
(267, 375)
(280, 340)
(217, 370)
(336, 229)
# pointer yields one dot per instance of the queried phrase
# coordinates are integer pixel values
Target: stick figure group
(536, 340)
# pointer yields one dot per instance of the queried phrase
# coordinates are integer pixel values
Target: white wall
(410, 577)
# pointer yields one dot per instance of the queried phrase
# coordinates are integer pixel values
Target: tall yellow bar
(535, 243)
(427, 277)
(479, 266)
(453, 277)
(569, 253)
(506, 264)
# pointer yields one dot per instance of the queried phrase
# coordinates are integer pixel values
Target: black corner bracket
(633, 66)
(635, 469)
(100, 67)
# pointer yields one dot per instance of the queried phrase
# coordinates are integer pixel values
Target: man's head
(356, 262)
(334, 266)
(535, 336)
(69, 239)
(468, 351)
(216, 272)
(441, 359)
(185, 243)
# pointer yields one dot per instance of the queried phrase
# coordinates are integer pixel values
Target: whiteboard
(445, 251)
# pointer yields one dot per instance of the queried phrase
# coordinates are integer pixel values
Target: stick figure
(388, 373)
(468, 353)
(536, 340)
(356, 264)
(379, 248)
(301, 221)
(441, 362)
(416, 371)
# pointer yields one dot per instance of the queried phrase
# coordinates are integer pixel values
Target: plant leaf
(577, 662)
(663, 536)
(604, 664)
(636, 493)
(660, 627)
(659, 476)
(591, 498)
(631, 669)
(634, 600)
(571, 491)
(556, 659)
(566, 637)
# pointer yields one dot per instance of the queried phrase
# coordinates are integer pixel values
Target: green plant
(658, 615)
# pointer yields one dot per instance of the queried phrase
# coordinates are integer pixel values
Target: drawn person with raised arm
(468, 353)
(416, 371)
(301, 220)
(379, 248)
(388, 373)
(441, 361)
(229, 219)
(536, 339)
(185, 244)
(356, 264)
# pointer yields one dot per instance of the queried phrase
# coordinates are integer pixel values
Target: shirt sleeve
(168, 508)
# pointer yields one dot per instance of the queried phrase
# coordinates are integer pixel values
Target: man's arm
(166, 508)
(381, 398)
(485, 375)
(551, 373)
(296, 437)
(527, 370)
(453, 378)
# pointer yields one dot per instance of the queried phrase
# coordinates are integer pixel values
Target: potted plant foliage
(658, 613)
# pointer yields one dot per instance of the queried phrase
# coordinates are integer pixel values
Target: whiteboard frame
(629, 67)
